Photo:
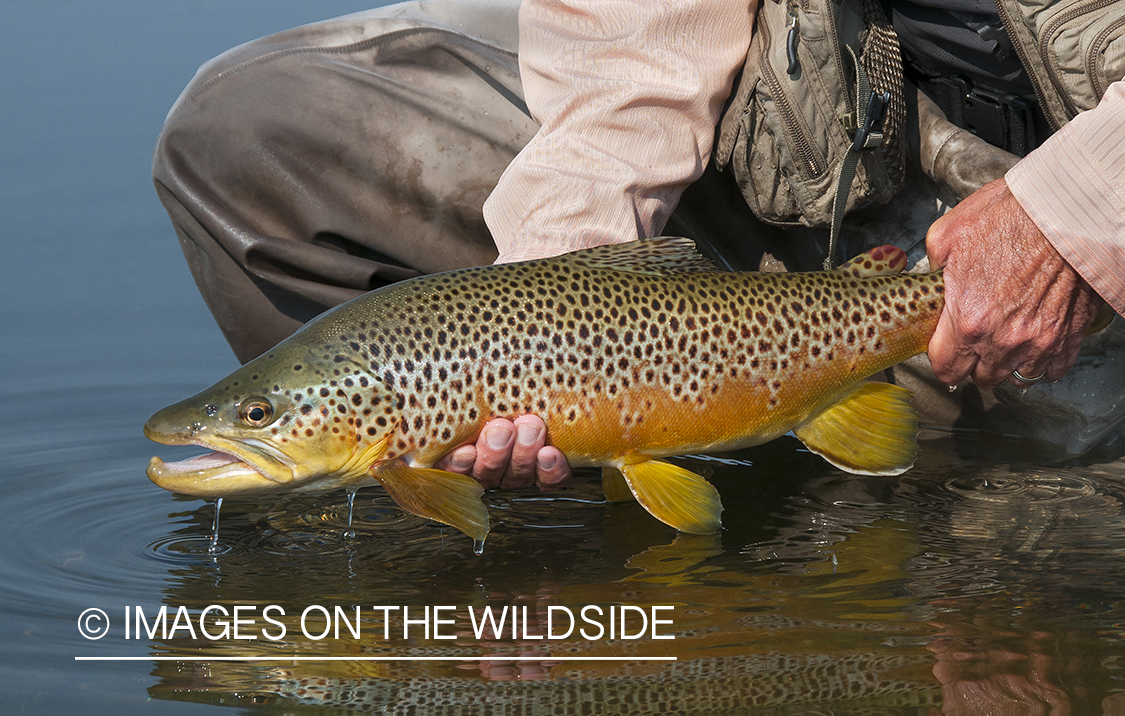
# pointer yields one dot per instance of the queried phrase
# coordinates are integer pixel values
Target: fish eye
(255, 412)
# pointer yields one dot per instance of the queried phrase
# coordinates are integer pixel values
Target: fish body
(629, 353)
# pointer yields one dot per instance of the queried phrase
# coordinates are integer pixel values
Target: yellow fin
(614, 486)
(671, 563)
(1102, 319)
(438, 495)
(880, 261)
(675, 496)
(872, 431)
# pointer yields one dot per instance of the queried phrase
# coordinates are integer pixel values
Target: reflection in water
(955, 589)
(964, 586)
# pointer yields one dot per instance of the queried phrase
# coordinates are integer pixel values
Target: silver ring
(1029, 381)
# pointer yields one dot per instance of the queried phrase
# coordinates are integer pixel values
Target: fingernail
(527, 435)
(498, 438)
(464, 459)
(547, 462)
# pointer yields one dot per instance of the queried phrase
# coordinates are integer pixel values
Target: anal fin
(1102, 319)
(614, 486)
(447, 497)
(871, 431)
(675, 496)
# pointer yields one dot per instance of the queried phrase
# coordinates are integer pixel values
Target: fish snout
(169, 427)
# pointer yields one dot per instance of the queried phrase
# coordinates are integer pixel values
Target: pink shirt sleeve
(627, 95)
(1073, 188)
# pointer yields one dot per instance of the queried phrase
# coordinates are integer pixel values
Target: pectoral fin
(675, 496)
(614, 486)
(438, 495)
(872, 431)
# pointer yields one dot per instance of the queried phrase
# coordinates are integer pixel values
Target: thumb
(950, 362)
(938, 243)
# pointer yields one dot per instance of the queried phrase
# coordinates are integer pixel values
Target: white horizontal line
(375, 658)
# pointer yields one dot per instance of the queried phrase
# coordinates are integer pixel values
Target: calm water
(971, 584)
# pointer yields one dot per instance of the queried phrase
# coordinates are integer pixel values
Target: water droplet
(478, 547)
(215, 529)
(351, 506)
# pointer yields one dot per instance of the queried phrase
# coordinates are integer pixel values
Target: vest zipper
(1092, 70)
(1045, 42)
(798, 137)
(1010, 22)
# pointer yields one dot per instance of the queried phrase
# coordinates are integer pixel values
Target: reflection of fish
(629, 352)
(747, 639)
(855, 683)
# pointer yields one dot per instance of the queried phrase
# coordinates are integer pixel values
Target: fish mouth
(231, 469)
(215, 474)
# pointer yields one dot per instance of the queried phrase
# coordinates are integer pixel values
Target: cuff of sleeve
(1065, 188)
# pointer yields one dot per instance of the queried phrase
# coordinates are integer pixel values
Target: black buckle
(872, 119)
(1002, 119)
(999, 118)
(1003, 49)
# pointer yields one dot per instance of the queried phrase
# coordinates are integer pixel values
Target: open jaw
(220, 474)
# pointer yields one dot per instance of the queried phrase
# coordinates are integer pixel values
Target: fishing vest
(816, 125)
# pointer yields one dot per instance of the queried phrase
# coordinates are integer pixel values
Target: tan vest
(793, 116)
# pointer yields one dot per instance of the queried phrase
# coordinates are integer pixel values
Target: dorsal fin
(880, 261)
(661, 256)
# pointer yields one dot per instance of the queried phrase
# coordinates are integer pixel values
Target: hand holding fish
(1013, 303)
(510, 454)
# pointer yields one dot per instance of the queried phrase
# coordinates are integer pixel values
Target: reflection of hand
(525, 667)
(1011, 301)
(976, 680)
(510, 454)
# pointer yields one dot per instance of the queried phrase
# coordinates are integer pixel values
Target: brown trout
(629, 352)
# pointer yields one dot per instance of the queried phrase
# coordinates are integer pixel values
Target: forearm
(627, 95)
(1073, 188)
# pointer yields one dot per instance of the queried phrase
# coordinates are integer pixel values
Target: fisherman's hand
(510, 454)
(1012, 303)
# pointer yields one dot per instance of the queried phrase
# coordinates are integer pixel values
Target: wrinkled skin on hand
(510, 454)
(1011, 301)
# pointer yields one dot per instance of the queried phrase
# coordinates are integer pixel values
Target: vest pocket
(1083, 47)
(1105, 58)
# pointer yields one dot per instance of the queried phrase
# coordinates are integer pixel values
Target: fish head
(288, 420)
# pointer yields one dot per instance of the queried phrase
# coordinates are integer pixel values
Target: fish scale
(597, 351)
(629, 353)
